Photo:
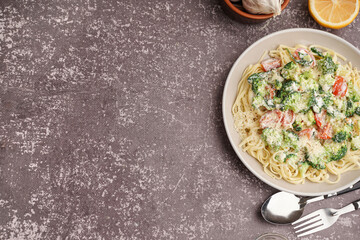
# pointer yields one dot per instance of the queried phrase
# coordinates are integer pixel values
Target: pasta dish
(298, 113)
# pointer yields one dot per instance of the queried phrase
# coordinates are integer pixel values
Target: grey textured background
(111, 126)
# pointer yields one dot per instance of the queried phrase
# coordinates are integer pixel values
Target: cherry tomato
(320, 118)
(271, 119)
(297, 56)
(340, 87)
(288, 118)
(307, 132)
(270, 63)
(325, 132)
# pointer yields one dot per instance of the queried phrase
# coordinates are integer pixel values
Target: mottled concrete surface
(111, 123)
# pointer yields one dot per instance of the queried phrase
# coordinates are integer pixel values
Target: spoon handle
(319, 198)
(349, 189)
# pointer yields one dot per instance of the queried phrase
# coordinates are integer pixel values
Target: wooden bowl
(242, 16)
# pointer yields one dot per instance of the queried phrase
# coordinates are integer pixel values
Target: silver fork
(322, 219)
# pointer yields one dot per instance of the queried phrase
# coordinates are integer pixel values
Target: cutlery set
(286, 208)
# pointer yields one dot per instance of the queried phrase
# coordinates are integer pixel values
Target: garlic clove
(263, 6)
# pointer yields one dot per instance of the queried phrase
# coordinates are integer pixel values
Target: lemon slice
(334, 13)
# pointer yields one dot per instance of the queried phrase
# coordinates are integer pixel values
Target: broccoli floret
(307, 81)
(317, 52)
(256, 76)
(311, 117)
(282, 94)
(259, 87)
(292, 159)
(277, 100)
(355, 143)
(327, 65)
(291, 102)
(343, 133)
(326, 82)
(258, 101)
(274, 76)
(315, 162)
(273, 138)
(317, 156)
(290, 86)
(311, 101)
(287, 88)
(307, 75)
(306, 102)
(350, 109)
(354, 92)
(327, 99)
(339, 154)
(270, 104)
(303, 168)
(318, 102)
(333, 112)
(336, 150)
(297, 125)
(278, 85)
(289, 71)
(290, 66)
(291, 139)
(340, 137)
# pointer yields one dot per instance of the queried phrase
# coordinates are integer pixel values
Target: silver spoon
(285, 208)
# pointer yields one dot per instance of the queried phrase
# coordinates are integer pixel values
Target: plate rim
(226, 125)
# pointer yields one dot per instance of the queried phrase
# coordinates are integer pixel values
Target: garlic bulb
(263, 6)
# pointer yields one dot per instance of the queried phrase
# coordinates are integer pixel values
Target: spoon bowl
(282, 208)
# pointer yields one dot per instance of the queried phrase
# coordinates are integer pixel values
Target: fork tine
(315, 224)
(311, 215)
(318, 228)
(315, 219)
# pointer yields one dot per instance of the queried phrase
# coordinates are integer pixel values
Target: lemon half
(334, 13)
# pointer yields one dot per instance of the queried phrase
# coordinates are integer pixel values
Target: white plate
(289, 37)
